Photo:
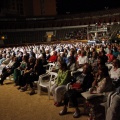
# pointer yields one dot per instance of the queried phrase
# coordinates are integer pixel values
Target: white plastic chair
(109, 65)
(49, 67)
(46, 81)
(77, 71)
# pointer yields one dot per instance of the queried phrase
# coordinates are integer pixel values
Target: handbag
(76, 86)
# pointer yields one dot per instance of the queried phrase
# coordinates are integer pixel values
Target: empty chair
(46, 81)
(49, 67)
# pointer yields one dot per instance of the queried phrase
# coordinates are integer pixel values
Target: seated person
(116, 52)
(43, 58)
(5, 62)
(26, 74)
(18, 71)
(82, 59)
(47, 54)
(115, 72)
(11, 62)
(3, 58)
(34, 75)
(71, 64)
(85, 80)
(9, 70)
(64, 57)
(53, 58)
(101, 84)
(110, 56)
(93, 59)
(99, 62)
(102, 54)
(57, 63)
(59, 87)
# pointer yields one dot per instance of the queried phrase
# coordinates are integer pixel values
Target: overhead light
(2, 37)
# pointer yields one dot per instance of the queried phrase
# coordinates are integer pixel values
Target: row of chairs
(48, 79)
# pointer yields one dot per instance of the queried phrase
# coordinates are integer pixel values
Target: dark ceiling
(78, 6)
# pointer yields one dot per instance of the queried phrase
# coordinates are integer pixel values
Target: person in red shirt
(53, 58)
(110, 56)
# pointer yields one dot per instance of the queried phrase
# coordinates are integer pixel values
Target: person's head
(94, 54)
(79, 52)
(108, 46)
(7, 56)
(38, 61)
(20, 54)
(47, 52)
(102, 53)
(55, 53)
(43, 56)
(100, 61)
(116, 63)
(25, 58)
(87, 48)
(83, 53)
(115, 49)
(110, 51)
(43, 49)
(63, 66)
(31, 60)
(15, 59)
(3, 55)
(71, 53)
(12, 58)
(87, 68)
(103, 71)
(101, 48)
(93, 49)
(63, 54)
(32, 54)
(65, 50)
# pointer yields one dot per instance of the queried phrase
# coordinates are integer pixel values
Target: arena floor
(16, 105)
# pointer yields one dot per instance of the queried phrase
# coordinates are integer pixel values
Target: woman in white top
(82, 59)
(115, 72)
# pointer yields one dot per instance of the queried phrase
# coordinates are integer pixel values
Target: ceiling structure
(78, 6)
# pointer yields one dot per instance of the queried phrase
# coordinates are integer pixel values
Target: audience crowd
(95, 67)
